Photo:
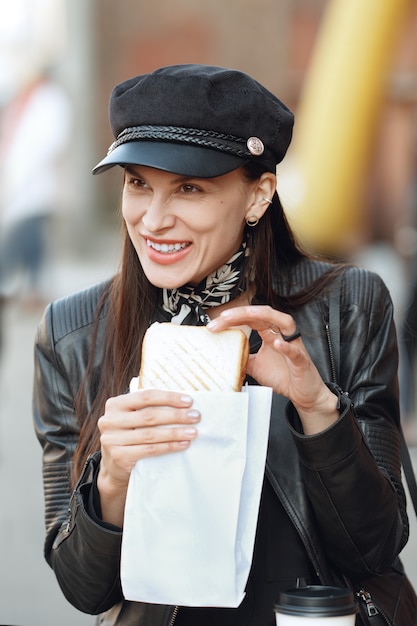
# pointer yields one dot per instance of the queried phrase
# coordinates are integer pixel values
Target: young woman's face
(184, 228)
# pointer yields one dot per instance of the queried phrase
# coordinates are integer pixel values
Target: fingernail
(193, 415)
(212, 324)
(186, 399)
(189, 431)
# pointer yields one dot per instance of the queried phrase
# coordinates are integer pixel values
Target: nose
(157, 216)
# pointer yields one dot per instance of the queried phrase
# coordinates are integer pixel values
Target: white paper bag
(190, 517)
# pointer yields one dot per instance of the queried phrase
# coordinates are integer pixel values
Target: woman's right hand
(134, 426)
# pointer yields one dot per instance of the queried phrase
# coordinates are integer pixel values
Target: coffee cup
(309, 605)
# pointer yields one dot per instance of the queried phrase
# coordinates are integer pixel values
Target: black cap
(196, 120)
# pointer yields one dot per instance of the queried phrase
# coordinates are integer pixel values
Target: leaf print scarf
(185, 305)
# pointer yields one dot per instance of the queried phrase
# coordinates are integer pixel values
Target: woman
(199, 146)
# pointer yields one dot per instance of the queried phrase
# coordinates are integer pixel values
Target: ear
(262, 193)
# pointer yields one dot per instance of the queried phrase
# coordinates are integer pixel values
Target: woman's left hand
(284, 365)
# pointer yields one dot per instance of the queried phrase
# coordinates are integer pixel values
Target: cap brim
(187, 160)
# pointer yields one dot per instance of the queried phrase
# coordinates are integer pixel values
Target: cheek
(232, 219)
(226, 235)
(131, 211)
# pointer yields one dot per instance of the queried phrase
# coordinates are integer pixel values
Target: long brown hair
(131, 300)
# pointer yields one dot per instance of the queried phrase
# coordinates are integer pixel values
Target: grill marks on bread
(183, 358)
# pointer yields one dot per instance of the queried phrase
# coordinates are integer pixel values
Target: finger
(155, 435)
(158, 449)
(147, 417)
(148, 397)
(160, 416)
(260, 318)
(293, 350)
(124, 457)
(167, 435)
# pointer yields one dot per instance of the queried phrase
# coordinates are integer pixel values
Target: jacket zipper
(68, 520)
(331, 355)
(371, 607)
(173, 616)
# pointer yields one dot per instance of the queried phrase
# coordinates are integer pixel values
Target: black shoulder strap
(334, 328)
(408, 470)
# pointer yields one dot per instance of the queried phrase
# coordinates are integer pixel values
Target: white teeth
(165, 248)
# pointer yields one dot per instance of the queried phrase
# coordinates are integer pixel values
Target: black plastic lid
(317, 601)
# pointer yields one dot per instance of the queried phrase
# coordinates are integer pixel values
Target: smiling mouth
(166, 248)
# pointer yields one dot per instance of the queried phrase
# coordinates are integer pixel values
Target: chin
(165, 282)
(169, 277)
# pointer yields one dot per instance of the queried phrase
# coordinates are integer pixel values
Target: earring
(267, 200)
(252, 220)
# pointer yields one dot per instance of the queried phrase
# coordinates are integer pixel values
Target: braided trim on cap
(204, 138)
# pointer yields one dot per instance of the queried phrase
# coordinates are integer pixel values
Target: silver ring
(276, 331)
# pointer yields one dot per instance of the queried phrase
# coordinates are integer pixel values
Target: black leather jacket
(342, 490)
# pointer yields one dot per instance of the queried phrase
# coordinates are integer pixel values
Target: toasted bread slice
(186, 358)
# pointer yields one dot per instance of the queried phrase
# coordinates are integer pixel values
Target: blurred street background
(349, 184)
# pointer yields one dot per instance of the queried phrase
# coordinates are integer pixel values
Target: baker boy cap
(196, 120)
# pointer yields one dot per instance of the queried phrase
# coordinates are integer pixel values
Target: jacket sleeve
(352, 470)
(84, 555)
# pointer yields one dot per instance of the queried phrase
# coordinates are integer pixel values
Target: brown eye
(136, 182)
(189, 188)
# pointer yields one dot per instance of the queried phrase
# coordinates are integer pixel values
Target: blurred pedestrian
(2, 303)
(34, 134)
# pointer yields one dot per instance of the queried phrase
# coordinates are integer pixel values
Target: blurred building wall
(274, 42)
(340, 117)
(101, 42)
(392, 189)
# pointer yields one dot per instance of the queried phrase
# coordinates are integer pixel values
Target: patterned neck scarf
(186, 304)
